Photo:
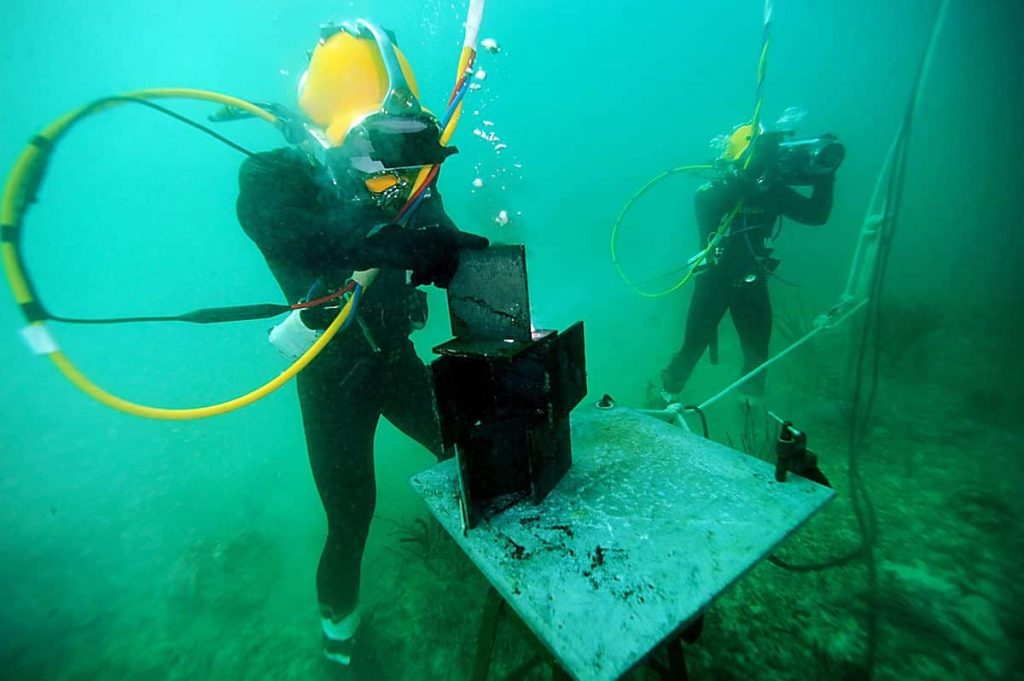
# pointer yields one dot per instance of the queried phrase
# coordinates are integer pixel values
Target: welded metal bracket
(504, 390)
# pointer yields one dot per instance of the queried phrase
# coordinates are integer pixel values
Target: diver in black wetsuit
(318, 219)
(735, 278)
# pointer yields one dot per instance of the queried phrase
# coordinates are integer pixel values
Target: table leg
(559, 674)
(487, 634)
(676, 661)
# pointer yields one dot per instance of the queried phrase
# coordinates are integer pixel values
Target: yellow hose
(465, 59)
(72, 373)
(12, 211)
(723, 227)
(22, 179)
(618, 221)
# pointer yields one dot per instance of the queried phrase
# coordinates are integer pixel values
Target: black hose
(862, 405)
(703, 419)
(865, 393)
(100, 103)
(204, 316)
(210, 315)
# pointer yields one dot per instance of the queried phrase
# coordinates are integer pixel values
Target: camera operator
(734, 276)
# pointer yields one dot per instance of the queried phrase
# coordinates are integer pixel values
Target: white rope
(823, 322)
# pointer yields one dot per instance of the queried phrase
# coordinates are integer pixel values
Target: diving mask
(384, 152)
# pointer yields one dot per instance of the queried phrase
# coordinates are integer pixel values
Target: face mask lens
(396, 125)
(403, 142)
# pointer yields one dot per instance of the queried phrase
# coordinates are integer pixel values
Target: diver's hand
(442, 256)
(825, 178)
(431, 252)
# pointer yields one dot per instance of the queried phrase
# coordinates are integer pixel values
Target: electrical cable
(867, 364)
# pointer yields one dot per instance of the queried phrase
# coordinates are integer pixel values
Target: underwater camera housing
(802, 162)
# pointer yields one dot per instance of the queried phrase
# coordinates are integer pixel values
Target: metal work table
(648, 526)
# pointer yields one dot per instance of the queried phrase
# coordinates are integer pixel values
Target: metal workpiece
(504, 414)
(504, 390)
(649, 525)
(488, 299)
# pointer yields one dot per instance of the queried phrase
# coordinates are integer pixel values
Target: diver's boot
(348, 655)
(339, 636)
(660, 398)
(653, 398)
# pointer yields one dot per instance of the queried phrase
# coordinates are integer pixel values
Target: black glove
(430, 251)
(824, 179)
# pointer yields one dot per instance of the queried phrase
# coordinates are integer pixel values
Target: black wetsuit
(736, 276)
(369, 371)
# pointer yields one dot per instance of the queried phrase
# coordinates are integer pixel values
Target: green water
(145, 549)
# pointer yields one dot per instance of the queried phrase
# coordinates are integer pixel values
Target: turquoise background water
(137, 216)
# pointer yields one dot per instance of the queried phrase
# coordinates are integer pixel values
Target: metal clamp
(792, 455)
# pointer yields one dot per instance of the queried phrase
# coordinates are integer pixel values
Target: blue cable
(412, 209)
(455, 103)
(314, 288)
(357, 294)
(444, 124)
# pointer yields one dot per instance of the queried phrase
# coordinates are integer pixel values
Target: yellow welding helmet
(355, 71)
(360, 97)
(738, 142)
